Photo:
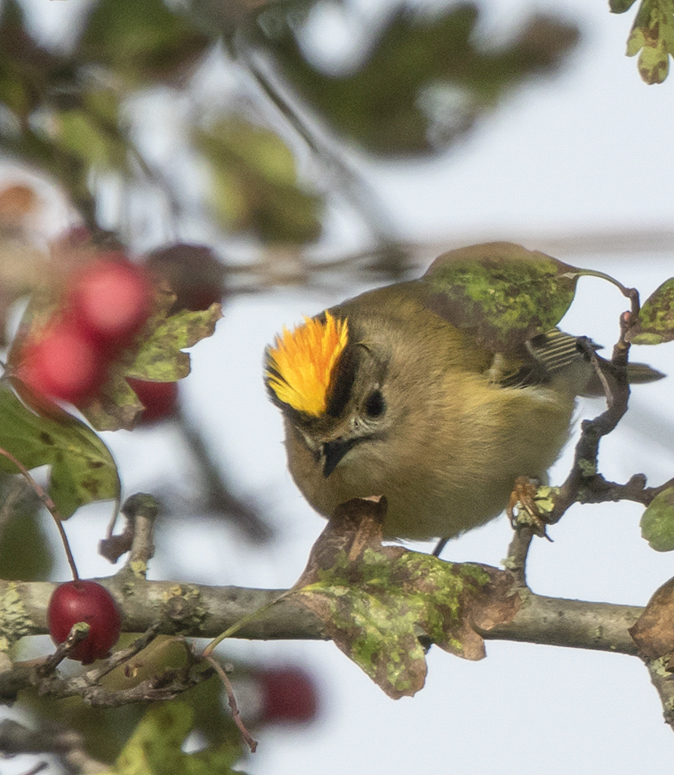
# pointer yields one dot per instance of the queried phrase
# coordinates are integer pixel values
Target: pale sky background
(587, 151)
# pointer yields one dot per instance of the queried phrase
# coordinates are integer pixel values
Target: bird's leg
(523, 509)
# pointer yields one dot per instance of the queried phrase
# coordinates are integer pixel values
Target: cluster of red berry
(105, 306)
(108, 301)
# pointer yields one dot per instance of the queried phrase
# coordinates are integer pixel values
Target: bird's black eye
(375, 404)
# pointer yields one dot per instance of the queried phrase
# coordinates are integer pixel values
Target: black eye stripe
(375, 405)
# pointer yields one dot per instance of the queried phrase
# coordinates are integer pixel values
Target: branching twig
(163, 686)
(585, 484)
(137, 538)
(377, 220)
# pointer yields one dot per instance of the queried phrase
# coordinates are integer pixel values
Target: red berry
(160, 399)
(193, 273)
(288, 694)
(63, 362)
(111, 299)
(85, 601)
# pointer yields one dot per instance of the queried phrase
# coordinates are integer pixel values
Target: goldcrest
(381, 395)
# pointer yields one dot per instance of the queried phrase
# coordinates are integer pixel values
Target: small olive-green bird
(382, 395)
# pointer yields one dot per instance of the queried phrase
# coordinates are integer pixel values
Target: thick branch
(204, 612)
(554, 621)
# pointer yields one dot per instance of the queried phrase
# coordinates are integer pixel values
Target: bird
(387, 394)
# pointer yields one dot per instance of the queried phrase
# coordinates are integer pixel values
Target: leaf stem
(49, 505)
(210, 648)
(231, 699)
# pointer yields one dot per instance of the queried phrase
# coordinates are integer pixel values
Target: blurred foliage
(142, 42)
(25, 553)
(425, 80)
(254, 183)
(652, 36)
(155, 748)
(107, 730)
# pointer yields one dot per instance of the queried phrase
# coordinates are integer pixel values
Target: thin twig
(663, 681)
(583, 475)
(49, 505)
(78, 632)
(518, 550)
(219, 497)
(584, 484)
(231, 699)
(66, 744)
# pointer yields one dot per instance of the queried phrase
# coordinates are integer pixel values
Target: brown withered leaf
(653, 631)
(377, 600)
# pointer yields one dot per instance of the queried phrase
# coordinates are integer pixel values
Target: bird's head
(330, 385)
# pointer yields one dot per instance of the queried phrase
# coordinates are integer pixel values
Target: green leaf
(657, 522)
(254, 183)
(155, 748)
(156, 356)
(506, 293)
(656, 317)
(159, 357)
(652, 37)
(620, 6)
(82, 468)
(142, 41)
(375, 601)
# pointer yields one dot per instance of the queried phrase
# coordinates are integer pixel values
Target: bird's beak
(333, 452)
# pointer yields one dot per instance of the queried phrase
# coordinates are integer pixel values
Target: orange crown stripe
(300, 365)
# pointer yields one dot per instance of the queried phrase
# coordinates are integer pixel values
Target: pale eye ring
(375, 405)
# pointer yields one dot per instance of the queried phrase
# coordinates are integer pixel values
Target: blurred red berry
(85, 601)
(76, 236)
(193, 273)
(160, 399)
(111, 299)
(288, 694)
(63, 363)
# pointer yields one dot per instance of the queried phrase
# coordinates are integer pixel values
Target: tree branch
(201, 611)
(67, 744)
(661, 678)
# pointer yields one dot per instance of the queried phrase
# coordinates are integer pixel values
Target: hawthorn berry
(85, 601)
(111, 300)
(288, 695)
(160, 399)
(63, 362)
(193, 273)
